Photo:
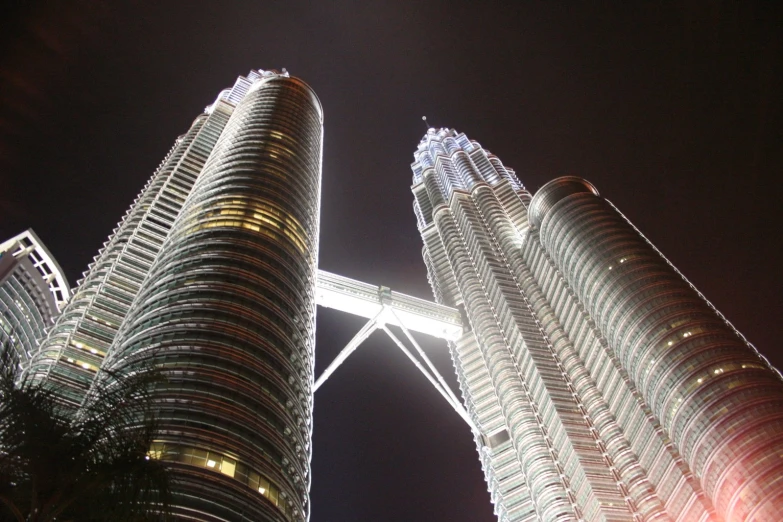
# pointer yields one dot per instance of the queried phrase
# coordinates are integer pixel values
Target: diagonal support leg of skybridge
(433, 376)
(444, 390)
(352, 345)
(426, 359)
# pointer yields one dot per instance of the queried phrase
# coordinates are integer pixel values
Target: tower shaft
(604, 386)
(227, 312)
(210, 279)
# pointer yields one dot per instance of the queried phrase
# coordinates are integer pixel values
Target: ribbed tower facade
(604, 385)
(76, 347)
(210, 277)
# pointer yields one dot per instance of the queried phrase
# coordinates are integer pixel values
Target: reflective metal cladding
(228, 312)
(210, 277)
(604, 385)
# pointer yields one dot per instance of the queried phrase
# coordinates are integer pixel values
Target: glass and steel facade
(73, 352)
(210, 277)
(605, 387)
(228, 312)
(33, 290)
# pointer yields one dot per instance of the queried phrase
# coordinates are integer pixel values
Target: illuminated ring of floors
(589, 240)
(227, 311)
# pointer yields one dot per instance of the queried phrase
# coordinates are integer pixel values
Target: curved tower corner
(715, 397)
(227, 312)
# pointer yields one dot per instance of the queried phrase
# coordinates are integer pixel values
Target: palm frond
(91, 465)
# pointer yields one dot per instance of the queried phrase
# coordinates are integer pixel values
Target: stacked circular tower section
(228, 314)
(718, 401)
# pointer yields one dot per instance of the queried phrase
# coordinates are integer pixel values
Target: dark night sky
(672, 110)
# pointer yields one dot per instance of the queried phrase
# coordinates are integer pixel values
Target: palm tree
(91, 465)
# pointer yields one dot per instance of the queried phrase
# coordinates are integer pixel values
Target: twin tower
(599, 384)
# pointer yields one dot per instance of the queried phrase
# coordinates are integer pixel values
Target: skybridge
(384, 307)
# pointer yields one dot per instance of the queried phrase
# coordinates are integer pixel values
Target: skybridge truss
(383, 308)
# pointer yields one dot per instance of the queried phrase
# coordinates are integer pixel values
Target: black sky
(673, 110)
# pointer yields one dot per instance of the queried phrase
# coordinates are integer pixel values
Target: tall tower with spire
(604, 386)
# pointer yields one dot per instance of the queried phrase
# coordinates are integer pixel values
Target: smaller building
(33, 291)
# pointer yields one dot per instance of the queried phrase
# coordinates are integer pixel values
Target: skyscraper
(210, 277)
(599, 384)
(33, 290)
(603, 384)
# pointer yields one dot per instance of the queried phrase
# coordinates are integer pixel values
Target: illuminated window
(228, 466)
(263, 486)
